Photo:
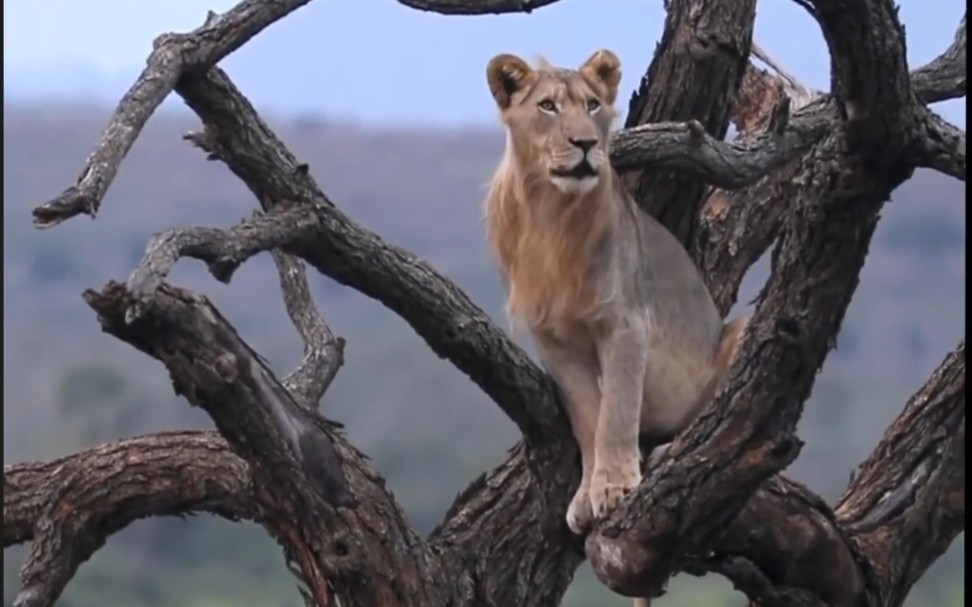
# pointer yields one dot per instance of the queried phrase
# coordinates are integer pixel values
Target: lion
(619, 313)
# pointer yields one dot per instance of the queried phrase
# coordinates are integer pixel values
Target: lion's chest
(549, 287)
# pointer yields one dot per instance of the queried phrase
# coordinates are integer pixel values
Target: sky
(377, 62)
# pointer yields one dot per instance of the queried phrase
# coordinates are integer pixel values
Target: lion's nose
(584, 144)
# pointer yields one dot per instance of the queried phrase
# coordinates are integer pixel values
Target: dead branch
(694, 75)
(942, 146)
(690, 150)
(789, 548)
(304, 473)
(222, 250)
(255, 414)
(67, 507)
(738, 226)
(172, 56)
(786, 547)
(800, 94)
(712, 501)
(323, 352)
(869, 77)
(906, 502)
(944, 77)
(477, 7)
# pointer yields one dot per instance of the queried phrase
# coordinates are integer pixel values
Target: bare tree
(808, 171)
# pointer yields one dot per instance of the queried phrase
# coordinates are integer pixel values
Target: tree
(808, 173)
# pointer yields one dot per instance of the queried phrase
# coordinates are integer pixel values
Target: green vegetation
(428, 429)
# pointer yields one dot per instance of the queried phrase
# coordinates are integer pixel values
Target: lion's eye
(593, 105)
(548, 106)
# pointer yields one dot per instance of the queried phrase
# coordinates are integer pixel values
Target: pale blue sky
(376, 61)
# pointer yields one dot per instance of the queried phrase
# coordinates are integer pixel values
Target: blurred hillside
(428, 429)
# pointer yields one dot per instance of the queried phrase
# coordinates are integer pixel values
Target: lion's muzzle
(579, 168)
(582, 169)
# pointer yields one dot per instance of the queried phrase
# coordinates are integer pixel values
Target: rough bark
(694, 75)
(809, 171)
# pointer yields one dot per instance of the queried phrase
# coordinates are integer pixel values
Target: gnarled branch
(709, 495)
(942, 147)
(869, 77)
(944, 77)
(323, 351)
(737, 226)
(173, 55)
(304, 472)
(906, 502)
(690, 150)
(67, 507)
(477, 7)
(694, 75)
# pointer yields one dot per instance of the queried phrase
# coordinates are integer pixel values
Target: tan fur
(619, 313)
(545, 251)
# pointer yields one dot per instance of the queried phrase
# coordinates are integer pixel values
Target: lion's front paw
(579, 513)
(610, 485)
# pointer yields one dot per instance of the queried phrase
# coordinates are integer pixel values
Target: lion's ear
(506, 75)
(604, 68)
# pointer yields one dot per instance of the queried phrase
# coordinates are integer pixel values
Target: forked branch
(903, 508)
(173, 55)
(303, 469)
(323, 351)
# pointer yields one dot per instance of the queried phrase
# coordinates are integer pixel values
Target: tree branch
(477, 7)
(737, 226)
(173, 55)
(694, 75)
(222, 250)
(944, 77)
(906, 502)
(304, 471)
(449, 322)
(323, 352)
(687, 148)
(69, 506)
(904, 507)
(869, 77)
(942, 147)
(301, 467)
(785, 550)
(233, 384)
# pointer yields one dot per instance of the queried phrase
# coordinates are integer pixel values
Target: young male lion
(617, 309)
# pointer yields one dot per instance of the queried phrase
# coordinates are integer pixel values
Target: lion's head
(558, 119)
